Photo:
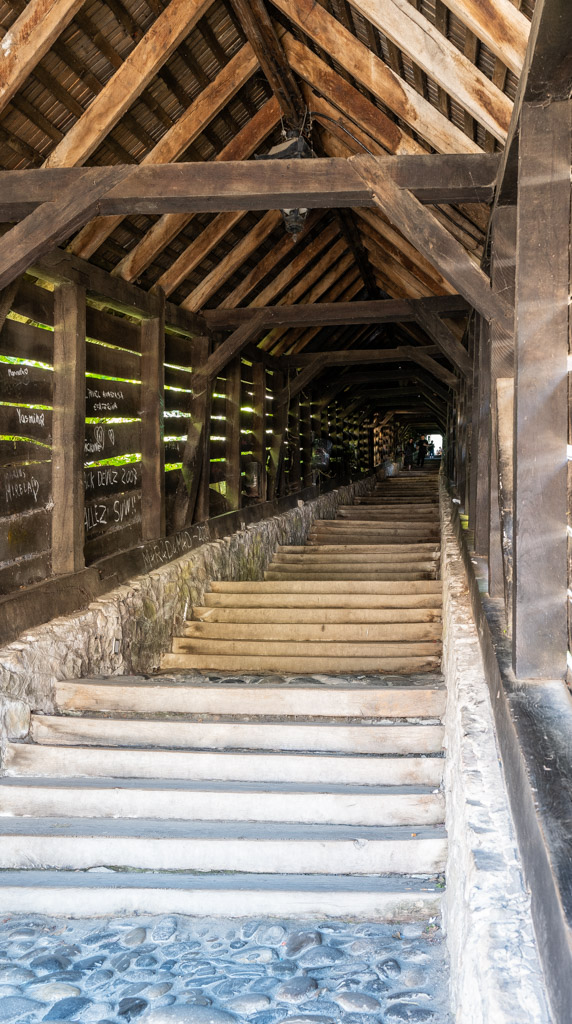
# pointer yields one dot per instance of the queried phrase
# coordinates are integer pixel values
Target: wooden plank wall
(137, 401)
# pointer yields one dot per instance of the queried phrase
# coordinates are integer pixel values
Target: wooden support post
(279, 420)
(294, 475)
(68, 429)
(259, 422)
(541, 394)
(232, 433)
(152, 428)
(202, 507)
(482, 440)
(306, 431)
(193, 454)
(501, 365)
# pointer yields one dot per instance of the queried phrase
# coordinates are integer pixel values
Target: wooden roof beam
(244, 144)
(259, 30)
(499, 24)
(440, 59)
(324, 314)
(232, 182)
(428, 235)
(29, 39)
(128, 82)
(207, 105)
(372, 72)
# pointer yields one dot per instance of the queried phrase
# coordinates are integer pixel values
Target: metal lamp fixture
(293, 147)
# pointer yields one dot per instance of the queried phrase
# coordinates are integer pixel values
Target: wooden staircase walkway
(287, 761)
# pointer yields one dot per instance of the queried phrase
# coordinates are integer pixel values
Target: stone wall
(127, 630)
(495, 970)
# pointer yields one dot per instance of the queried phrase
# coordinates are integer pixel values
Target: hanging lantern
(293, 147)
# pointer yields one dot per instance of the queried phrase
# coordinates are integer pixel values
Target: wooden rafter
(29, 38)
(177, 139)
(426, 46)
(499, 24)
(259, 30)
(391, 90)
(128, 82)
(324, 314)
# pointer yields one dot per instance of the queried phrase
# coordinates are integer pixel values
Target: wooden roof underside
(106, 82)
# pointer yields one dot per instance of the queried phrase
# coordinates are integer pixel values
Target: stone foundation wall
(127, 630)
(495, 971)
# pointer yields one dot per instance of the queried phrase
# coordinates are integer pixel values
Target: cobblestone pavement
(175, 970)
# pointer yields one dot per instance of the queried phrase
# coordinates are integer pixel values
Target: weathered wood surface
(192, 458)
(234, 183)
(540, 633)
(68, 426)
(499, 24)
(152, 428)
(261, 33)
(324, 314)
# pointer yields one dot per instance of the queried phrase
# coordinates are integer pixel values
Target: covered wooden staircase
(287, 759)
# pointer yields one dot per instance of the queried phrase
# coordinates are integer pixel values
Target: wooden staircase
(308, 786)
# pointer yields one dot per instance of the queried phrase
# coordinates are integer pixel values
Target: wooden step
(62, 761)
(427, 550)
(191, 801)
(300, 665)
(320, 615)
(337, 556)
(315, 599)
(85, 843)
(174, 734)
(301, 587)
(158, 697)
(341, 632)
(311, 649)
(238, 895)
(279, 573)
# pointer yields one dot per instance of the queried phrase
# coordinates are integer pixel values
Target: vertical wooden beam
(188, 488)
(306, 431)
(68, 429)
(232, 434)
(279, 420)
(200, 352)
(259, 422)
(481, 444)
(152, 427)
(503, 269)
(541, 396)
(294, 476)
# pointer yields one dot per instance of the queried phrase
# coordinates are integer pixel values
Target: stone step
(311, 597)
(84, 843)
(193, 801)
(301, 664)
(319, 615)
(306, 896)
(346, 632)
(26, 759)
(157, 697)
(231, 735)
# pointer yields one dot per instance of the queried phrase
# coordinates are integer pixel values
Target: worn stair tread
(303, 664)
(25, 760)
(303, 574)
(301, 587)
(326, 633)
(151, 828)
(430, 547)
(339, 598)
(321, 616)
(260, 786)
(309, 648)
(156, 696)
(283, 735)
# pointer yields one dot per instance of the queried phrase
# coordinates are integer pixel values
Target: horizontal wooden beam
(249, 185)
(333, 314)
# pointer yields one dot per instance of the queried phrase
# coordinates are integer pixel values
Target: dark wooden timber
(541, 392)
(192, 459)
(233, 346)
(261, 34)
(259, 422)
(249, 185)
(546, 76)
(232, 435)
(450, 346)
(432, 239)
(279, 420)
(351, 356)
(303, 379)
(152, 446)
(68, 429)
(333, 314)
(481, 437)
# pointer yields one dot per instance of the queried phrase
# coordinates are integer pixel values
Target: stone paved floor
(168, 970)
